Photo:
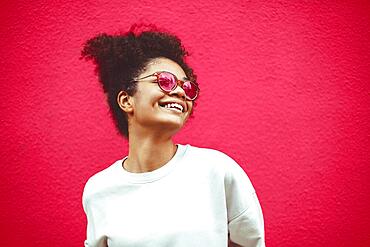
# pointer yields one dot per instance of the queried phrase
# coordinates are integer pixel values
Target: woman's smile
(172, 109)
(174, 105)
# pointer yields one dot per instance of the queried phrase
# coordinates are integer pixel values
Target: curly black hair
(121, 58)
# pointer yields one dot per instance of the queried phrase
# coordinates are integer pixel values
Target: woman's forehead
(164, 64)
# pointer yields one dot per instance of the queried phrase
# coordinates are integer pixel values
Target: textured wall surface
(285, 92)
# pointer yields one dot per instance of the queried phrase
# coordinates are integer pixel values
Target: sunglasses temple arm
(142, 78)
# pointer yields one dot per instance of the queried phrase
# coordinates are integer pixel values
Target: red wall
(285, 90)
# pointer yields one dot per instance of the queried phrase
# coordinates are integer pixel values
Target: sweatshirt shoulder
(210, 154)
(100, 179)
(218, 161)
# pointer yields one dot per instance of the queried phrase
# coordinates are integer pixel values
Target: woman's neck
(148, 153)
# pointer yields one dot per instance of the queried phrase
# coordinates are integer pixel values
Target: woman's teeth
(174, 106)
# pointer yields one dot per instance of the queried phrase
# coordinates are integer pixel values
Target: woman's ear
(125, 102)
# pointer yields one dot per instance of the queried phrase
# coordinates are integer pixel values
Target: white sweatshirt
(199, 198)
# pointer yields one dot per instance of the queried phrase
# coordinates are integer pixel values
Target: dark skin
(151, 126)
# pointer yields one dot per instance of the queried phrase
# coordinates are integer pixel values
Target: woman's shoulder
(222, 164)
(209, 153)
(211, 158)
(215, 158)
(102, 178)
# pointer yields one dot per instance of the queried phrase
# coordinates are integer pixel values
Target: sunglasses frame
(178, 83)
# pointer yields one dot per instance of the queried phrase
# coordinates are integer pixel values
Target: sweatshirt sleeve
(91, 192)
(245, 219)
(89, 227)
(91, 239)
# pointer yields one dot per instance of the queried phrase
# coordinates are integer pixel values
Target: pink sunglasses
(168, 82)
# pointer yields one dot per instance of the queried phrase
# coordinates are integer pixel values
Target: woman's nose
(179, 92)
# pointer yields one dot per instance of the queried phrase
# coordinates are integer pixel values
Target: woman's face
(148, 103)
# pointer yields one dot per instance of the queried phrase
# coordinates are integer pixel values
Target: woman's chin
(171, 125)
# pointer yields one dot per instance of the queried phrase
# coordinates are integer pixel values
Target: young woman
(162, 193)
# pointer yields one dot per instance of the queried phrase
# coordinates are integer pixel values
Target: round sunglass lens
(166, 81)
(190, 90)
